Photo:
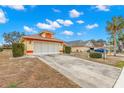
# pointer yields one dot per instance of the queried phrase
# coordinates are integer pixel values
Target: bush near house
(95, 55)
(67, 49)
(17, 49)
(1, 49)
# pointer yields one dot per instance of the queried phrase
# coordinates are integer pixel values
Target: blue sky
(70, 22)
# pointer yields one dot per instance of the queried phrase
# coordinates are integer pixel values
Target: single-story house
(42, 43)
(84, 46)
(79, 48)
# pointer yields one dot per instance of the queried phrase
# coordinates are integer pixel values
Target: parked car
(101, 50)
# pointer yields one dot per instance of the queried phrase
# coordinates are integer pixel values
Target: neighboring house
(42, 43)
(81, 46)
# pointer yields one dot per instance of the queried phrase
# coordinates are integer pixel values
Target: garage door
(45, 48)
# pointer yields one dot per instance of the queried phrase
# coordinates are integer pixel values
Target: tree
(121, 36)
(12, 37)
(113, 27)
(101, 41)
(121, 40)
(111, 40)
(93, 41)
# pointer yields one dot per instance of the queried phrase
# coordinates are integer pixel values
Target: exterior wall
(98, 47)
(28, 47)
(61, 48)
(79, 49)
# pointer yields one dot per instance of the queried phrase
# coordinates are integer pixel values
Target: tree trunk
(115, 44)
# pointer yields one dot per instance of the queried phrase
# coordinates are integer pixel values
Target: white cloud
(79, 34)
(74, 13)
(91, 26)
(28, 29)
(44, 26)
(3, 18)
(50, 25)
(16, 7)
(60, 21)
(56, 10)
(69, 33)
(102, 8)
(54, 24)
(65, 22)
(80, 21)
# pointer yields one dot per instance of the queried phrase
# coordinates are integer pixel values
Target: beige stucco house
(79, 48)
(84, 46)
(42, 43)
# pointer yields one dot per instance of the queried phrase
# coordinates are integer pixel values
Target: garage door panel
(45, 48)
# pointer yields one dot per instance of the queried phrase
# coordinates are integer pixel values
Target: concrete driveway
(85, 73)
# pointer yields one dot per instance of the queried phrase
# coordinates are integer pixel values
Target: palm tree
(121, 40)
(113, 27)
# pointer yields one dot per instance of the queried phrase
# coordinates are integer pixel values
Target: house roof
(98, 44)
(76, 43)
(40, 38)
(80, 43)
(46, 31)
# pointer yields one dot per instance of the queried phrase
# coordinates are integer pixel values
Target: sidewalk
(120, 81)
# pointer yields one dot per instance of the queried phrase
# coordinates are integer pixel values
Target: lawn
(120, 64)
(29, 73)
(110, 60)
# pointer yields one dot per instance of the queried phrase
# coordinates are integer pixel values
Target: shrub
(95, 55)
(18, 49)
(1, 49)
(67, 49)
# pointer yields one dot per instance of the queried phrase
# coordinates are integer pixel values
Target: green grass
(12, 85)
(120, 64)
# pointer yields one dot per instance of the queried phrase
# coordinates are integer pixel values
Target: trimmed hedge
(95, 55)
(67, 50)
(1, 49)
(18, 49)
